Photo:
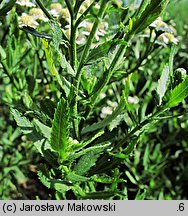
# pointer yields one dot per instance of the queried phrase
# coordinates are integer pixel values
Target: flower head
(25, 3)
(38, 14)
(56, 9)
(27, 20)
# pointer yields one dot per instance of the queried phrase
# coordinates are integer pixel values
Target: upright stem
(108, 73)
(73, 34)
(74, 92)
(90, 38)
(73, 58)
(44, 10)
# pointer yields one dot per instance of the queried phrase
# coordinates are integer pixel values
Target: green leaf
(146, 157)
(26, 126)
(100, 195)
(106, 179)
(56, 40)
(149, 14)
(60, 129)
(29, 130)
(48, 107)
(99, 52)
(88, 160)
(4, 10)
(73, 177)
(45, 130)
(107, 120)
(127, 151)
(141, 195)
(178, 94)
(58, 185)
(142, 7)
(163, 83)
(99, 147)
(85, 143)
(102, 50)
(131, 178)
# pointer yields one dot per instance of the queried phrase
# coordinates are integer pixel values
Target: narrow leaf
(178, 94)
(58, 185)
(60, 129)
(150, 13)
(102, 50)
(107, 120)
(88, 160)
(163, 83)
(45, 130)
(73, 177)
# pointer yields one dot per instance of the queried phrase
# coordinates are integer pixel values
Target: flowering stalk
(73, 34)
(75, 88)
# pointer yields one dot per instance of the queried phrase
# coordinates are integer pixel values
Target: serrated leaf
(88, 160)
(60, 129)
(29, 130)
(56, 33)
(26, 126)
(163, 83)
(56, 40)
(45, 130)
(58, 185)
(98, 147)
(178, 94)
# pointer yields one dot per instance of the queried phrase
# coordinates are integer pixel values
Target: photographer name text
(70, 207)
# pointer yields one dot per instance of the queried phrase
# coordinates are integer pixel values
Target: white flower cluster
(25, 3)
(35, 15)
(169, 31)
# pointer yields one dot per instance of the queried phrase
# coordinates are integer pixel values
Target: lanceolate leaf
(60, 129)
(178, 94)
(88, 160)
(150, 13)
(162, 83)
(107, 120)
(50, 61)
(103, 49)
(26, 126)
(45, 130)
(142, 7)
(58, 185)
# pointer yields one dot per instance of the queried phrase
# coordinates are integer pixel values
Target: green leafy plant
(56, 99)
